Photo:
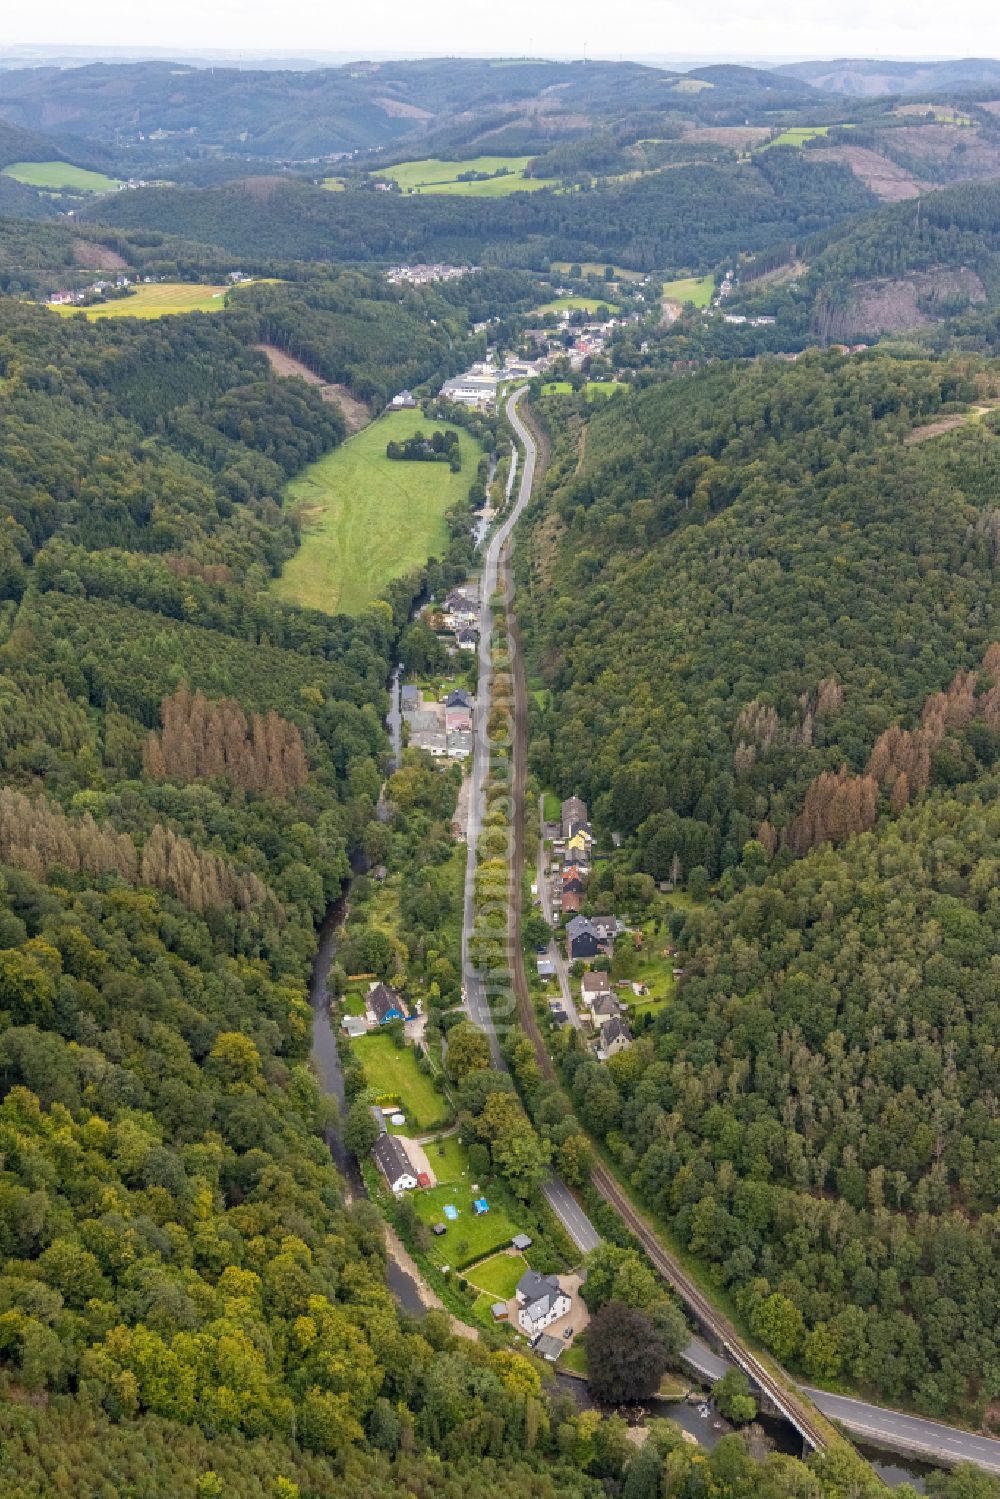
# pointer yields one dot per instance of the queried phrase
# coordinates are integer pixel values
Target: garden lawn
(433, 175)
(162, 299)
(469, 1238)
(449, 1159)
(596, 390)
(61, 176)
(552, 807)
(392, 1071)
(499, 1275)
(367, 519)
(353, 1002)
(695, 289)
(557, 388)
(648, 967)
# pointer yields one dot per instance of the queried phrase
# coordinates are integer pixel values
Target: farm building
(384, 1003)
(390, 1156)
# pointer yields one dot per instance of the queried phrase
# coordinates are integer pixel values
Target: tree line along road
(808, 1410)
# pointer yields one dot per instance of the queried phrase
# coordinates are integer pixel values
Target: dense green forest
(722, 555)
(753, 603)
(187, 1304)
(813, 1114)
(687, 216)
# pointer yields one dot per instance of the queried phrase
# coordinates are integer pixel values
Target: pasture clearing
(797, 135)
(694, 289)
(61, 176)
(367, 519)
(589, 305)
(593, 268)
(392, 1071)
(435, 175)
(161, 299)
(599, 390)
(557, 388)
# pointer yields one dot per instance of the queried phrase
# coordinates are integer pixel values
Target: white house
(541, 1301)
(389, 1155)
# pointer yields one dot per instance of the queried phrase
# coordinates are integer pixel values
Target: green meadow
(60, 176)
(576, 304)
(797, 135)
(696, 289)
(392, 1070)
(367, 519)
(434, 175)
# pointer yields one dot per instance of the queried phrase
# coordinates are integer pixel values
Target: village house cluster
(587, 937)
(443, 729)
(423, 275)
(96, 289)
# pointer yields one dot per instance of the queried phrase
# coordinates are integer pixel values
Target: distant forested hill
(689, 216)
(174, 108)
(861, 76)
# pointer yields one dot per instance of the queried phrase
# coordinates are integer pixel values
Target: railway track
(814, 1430)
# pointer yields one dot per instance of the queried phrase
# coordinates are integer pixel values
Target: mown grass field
(163, 299)
(367, 519)
(499, 1275)
(576, 304)
(392, 1069)
(599, 390)
(434, 175)
(696, 289)
(61, 176)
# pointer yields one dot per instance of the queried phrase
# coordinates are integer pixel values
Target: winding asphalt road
(912, 1435)
(881, 1427)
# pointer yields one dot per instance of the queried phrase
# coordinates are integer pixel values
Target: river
(326, 1061)
(893, 1471)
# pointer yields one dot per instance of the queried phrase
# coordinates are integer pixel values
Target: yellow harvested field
(162, 299)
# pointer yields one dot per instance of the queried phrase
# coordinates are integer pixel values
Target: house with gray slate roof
(541, 1300)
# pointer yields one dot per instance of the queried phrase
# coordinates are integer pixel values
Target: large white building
(541, 1301)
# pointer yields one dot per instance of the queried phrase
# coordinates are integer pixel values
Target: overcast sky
(748, 28)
